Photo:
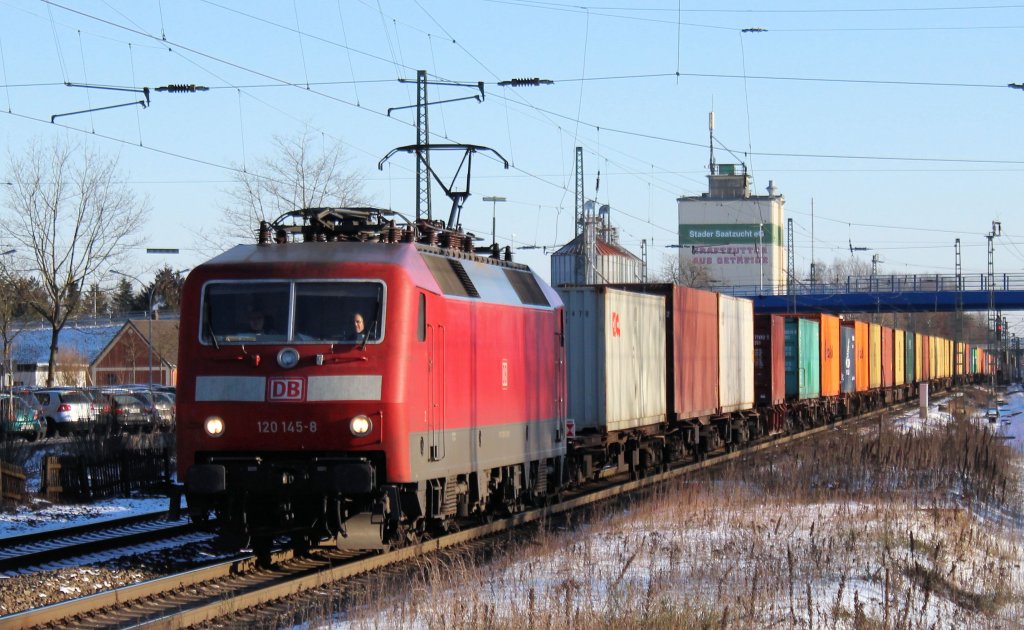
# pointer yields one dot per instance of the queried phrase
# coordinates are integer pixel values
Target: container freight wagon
(829, 363)
(615, 344)
(887, 359)
(922, 363)
(803, 359)
(909, 363)
(874, 356)
(709, 369)
(691, 349)
(899, 358)
(853, 356)
(736, 423)
(803, 371)
(735, 354)
(770, 368)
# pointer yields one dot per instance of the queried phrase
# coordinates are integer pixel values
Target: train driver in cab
(358, 332)
(257, 321)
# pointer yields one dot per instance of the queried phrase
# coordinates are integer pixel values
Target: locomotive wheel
(301, 545)
(406, 535)
(261, 546)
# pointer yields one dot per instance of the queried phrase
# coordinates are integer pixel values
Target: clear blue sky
(894, 118)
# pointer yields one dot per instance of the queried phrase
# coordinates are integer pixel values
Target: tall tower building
(737, 236)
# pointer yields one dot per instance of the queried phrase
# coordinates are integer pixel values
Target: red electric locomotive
(369, 384)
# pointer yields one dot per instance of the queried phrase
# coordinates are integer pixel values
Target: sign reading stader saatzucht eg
(732, 244)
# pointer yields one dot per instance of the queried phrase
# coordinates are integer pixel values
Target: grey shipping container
(615, 348)
(847, 360)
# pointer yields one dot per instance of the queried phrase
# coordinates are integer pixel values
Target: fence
(12, 483)
(68, 478)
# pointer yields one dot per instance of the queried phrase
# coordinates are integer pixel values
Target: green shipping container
(803, 359)
(909, 358)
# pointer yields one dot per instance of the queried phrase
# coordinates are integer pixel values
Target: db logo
(286, 389)
(616, 331)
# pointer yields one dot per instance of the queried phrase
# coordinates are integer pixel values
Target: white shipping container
(735, 353)
(615, 347)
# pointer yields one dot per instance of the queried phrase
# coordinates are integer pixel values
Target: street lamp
(494, 214)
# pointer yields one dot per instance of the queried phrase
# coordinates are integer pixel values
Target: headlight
(288, 358)
(360, 425)
(214, 426)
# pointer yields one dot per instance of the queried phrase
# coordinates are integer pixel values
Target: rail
(202, 596)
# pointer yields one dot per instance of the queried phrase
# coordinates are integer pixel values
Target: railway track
(229, 588)
(35, 551)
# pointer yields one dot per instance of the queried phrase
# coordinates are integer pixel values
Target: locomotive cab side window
(237, 312)
(421, 319)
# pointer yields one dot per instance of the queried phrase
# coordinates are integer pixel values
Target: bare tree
(69, 208)
(16, 291)
(302, 174)
(679, 270)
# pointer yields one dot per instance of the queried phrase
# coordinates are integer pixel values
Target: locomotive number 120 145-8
(285, 426)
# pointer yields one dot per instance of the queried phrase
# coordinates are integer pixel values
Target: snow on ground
(696, 560)
(41, 515)
(663, 553)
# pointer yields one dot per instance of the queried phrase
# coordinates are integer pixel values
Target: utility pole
(790, 264)
(584, 231)
(997, 230)
(962, 356)
(422, 154)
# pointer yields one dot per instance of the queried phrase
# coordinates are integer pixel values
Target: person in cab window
(358, 333)
(257, 322)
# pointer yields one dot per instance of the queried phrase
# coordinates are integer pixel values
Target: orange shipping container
(861, 339)
(926, 358)
(828, 326)
(886, 334)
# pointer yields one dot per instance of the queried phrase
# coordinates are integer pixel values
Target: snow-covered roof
(33, 345)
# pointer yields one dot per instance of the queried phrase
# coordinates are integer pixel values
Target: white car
(66, 411)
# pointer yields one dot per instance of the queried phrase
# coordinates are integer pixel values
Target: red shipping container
(693, 352)
(769, 359)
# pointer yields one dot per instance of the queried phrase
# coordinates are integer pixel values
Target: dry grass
(861, 530)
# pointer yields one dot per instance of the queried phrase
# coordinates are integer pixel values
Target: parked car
(128, 412)
(101, 418)
(161, 406)
(66, 411)
(20, 419)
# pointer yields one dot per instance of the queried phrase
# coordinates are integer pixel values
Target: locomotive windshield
(298, 311)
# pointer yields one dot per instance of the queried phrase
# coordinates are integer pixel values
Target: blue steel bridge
(890, 293)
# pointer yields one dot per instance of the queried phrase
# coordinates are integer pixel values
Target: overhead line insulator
(525, 82)
(176, 88)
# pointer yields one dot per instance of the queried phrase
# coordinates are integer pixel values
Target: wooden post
(923, 397)
(51, 478)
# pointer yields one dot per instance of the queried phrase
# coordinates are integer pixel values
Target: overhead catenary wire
(604, 149)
